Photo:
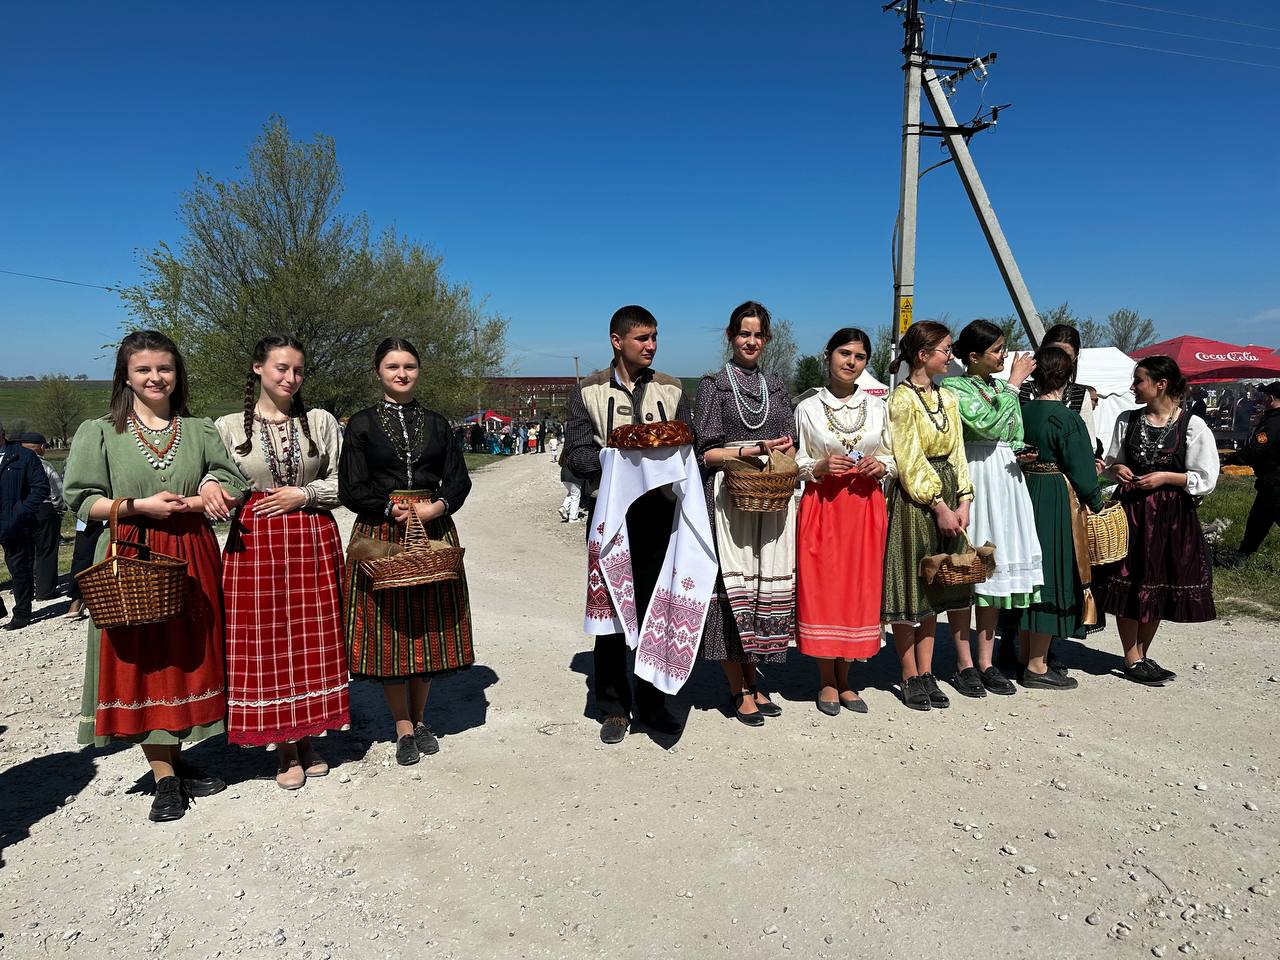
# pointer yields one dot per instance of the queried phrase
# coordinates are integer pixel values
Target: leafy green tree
(1129, 331)
(1091, 332)
(58, 407)
(270, 253)
(779, 356)
(809, 373)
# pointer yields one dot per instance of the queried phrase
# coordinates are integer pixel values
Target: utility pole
(904, 265)
(576, 375)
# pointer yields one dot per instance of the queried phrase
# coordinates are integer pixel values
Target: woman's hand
(962, 514)
(429, 511)
(870, 467)
(217, 502)
(400, 512)
(279, 501)
(948, 522)
(835, 465)
(1155, 480)
(160, 506)
(781, 444)
(1023, 366)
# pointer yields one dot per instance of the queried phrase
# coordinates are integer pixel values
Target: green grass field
(1250, 589)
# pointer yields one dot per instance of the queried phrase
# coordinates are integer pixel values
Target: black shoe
(854, 704)
(915, 693)
(197, 783)
(663, 723)
(17, 622)
(937, 699)
(996, 682)
(170, 801)
(407, 753)
(1051, 679)
(830, 707)
(426, 740)
(768, 708)
(613, 730)
(968, 683)
(1053, 663)
(750, 719)
(1144, 672)
(1165, 675)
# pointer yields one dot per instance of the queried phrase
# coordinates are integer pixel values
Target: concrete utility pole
(959, 147)
(904, 265)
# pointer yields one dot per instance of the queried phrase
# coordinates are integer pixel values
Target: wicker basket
(1108, 535)
(972, 566)
(127, 591)
(767, 489)
(422, 561)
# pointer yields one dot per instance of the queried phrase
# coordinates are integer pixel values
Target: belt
(1040, 468)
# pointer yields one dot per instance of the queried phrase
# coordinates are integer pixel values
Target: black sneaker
(937, 699)
(996, 682)
(968, 683)
(1051, 679)
(197, 783)
(1165, 675)
(426, 740)
(407, 753)
(1144, 672)
(170, 802)
(915, 693)
(613, 729)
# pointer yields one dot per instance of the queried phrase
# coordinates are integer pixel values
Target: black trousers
(19, 557)
(82, 554)
(649, 530)
(1264, 512)
(48, 537)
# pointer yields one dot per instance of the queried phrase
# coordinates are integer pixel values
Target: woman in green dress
(1062, 477)
(160, 684)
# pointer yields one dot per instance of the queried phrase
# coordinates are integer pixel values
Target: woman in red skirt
(844, 442)
(286, 664)
(160, 684)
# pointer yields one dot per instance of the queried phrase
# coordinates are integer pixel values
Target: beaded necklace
(1151, 439)
(849, 435)
(159, 457)
(980, 385)
(937, 417)
(402, 423)
(285, 465)
(745, 410)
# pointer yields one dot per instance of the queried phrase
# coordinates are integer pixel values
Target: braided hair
(298, 409)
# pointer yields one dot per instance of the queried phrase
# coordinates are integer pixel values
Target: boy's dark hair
(625, 319)
(1054, 367)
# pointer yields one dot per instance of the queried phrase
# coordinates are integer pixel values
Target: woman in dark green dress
(1064, 473)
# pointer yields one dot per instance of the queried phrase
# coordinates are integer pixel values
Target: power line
(74, 283)
(1121, 26)
(1116, 43)
(1181, 13)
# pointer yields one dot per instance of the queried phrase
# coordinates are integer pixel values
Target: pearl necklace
(745, 410)
(937, 417)
(160, 458)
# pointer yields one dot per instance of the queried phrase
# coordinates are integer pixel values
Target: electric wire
(1183, 13)
(74, 283)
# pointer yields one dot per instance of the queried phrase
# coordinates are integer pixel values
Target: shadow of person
(458, 703)
(678, 706)
(584, 662)
(33, 790)
(1078, 655)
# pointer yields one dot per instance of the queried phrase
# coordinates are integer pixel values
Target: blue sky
(568, 158)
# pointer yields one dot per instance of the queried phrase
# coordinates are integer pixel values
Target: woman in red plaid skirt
(286, 665)
(399, 456)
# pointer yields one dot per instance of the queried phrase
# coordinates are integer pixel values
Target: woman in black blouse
(399, 456)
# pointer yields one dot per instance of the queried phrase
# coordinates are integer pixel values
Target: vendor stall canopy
(1212, 361)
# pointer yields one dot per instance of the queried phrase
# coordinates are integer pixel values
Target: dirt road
(1112, 821)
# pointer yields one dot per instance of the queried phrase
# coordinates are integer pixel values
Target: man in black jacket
(1262, 452)
(23, 487)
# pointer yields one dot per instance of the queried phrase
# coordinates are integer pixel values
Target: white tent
(871, 385)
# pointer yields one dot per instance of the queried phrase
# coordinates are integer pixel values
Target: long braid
(300, 411)
(249, 398)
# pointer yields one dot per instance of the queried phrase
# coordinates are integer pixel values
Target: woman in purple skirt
(1165, 460)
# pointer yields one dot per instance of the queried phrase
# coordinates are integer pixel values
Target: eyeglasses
(946, 352)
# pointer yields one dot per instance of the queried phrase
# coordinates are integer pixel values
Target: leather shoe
(17, 623)
(915, 693)
(755, 719)
(1051, 679)
(197, 783)
(613, 730)
(830, 707)
(426, 740)
(407, 753)
(170, 802)
(937, 699)
(997, 683)
(768, 708)
(855, 704)
(968, 683)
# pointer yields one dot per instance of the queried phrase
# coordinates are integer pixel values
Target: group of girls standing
(971, 460)
(273, 626)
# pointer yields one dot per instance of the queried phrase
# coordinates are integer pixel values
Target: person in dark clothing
(477, 437)
(23, 487)
(628, 391)
(1262, 452)
(48, 532)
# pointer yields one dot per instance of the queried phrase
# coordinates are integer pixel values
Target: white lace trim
(294, 699)
(175, 702)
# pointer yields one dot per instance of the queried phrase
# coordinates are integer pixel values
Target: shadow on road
(33, 790)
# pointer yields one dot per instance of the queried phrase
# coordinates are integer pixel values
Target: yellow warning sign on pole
(904, 314)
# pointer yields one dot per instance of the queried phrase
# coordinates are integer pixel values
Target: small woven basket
(1108, 532)
(767, 489)
(127, 591)
(422, 561)
(972, 569)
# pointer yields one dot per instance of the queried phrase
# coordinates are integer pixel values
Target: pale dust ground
(1151, 812)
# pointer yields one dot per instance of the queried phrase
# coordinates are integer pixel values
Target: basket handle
(113, 521)
(415, 532)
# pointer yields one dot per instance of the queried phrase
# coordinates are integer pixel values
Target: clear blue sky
(567, 158)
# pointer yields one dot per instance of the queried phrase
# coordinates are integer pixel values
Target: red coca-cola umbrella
(1208, 361)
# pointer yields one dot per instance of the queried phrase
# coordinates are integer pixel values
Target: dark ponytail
(298, 409)
(1160, 367)
(925, 335)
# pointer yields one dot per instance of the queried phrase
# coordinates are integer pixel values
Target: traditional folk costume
(286, 662)
(399, 633)
(928, 447)
(1001, 511)
(752, 619)
(840, 534)
(597, 405)
(1166, 575)
(1075, 396)
(1061, 479)
(156, 683)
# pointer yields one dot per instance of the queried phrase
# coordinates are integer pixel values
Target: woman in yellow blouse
(928, 508)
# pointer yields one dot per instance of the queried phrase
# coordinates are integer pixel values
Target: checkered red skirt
(286, 661)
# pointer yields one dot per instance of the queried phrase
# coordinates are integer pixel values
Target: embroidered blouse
(319, 473)
(817, 440)
(990, 410)
(1202, 462)
(915, 438)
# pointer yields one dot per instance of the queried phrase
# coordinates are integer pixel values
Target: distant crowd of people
(509, 439)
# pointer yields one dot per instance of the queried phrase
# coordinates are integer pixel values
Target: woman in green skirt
(1063, 477)
(399, 456)
(928, 508)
